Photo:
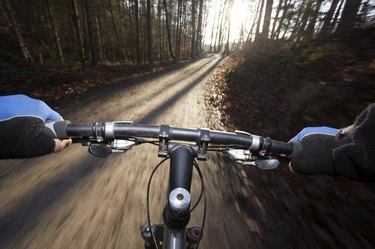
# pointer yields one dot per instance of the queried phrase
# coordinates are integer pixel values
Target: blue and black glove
(22, 126)
(348, 152)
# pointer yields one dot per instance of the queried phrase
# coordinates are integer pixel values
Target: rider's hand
(347, 152)
(22, 121)
(21, 105)
(308, 131)
(314, 148)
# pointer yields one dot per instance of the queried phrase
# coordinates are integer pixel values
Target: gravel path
(75, 200)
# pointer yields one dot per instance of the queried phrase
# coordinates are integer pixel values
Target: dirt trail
(75, 200)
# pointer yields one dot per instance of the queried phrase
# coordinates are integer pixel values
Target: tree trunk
(193, 28)
(199, 31)
(143, 30)
(324, 32)
(159, 33)
(17, 30)
(299, 19)
(149, 32)
(336, 17)
(130, 30)
(77, 27)
(348, 19)
(168, 30)
(99, 31)
(309, 34)
(178, 29)
(219, 20)
(279, 7)
(121, 16)
(213, 28)
(92, 39)
(55, 32)
(220, 33)
(255, 21)
(228, 19)
(37, 25)
(267, 19)
(185, 28)
(119, 43)
(301, 30)
(136, 17)
(259, 20)
(283, 16)
(362, 16)
(288, 22)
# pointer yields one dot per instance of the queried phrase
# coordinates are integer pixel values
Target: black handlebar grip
(296, 149)
(57, 129)
(282, 148)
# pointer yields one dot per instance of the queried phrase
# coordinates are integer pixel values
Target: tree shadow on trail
(19, 221)
(158, 110)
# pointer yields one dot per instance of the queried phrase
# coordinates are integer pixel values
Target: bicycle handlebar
(107, 137)
(109, 131)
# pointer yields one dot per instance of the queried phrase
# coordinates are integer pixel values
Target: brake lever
(266, 164)
(100, 150)
(104, 149)
(238, 154)
(245, 158)
(121, 146)
(241, 156)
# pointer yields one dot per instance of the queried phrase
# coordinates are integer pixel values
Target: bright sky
(241, 14)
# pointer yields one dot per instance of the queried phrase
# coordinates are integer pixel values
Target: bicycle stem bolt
(179, 200)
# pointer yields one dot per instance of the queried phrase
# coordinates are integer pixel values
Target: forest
(92, 32)
(97, 32)
(50, 48)
(269, 67)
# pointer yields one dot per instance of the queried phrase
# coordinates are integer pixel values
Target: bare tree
(336, 17)
(193, 28)
(77, 27)
(178, 29)
(92, 39)
(136, 17)
(324, 32)
(17, 30)
(255, 21)
(149, 32)
(267, 19)
(55, 31)
(287, 14)
(168, 30)
(99, 31)
(228, 11)
(348, 19)
(257, 33)
(116, 31)
(298, 19)
(199, 30)
(305, 17)
(309, 33)
(279, 7)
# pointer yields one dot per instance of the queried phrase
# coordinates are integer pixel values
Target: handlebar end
(57, 129)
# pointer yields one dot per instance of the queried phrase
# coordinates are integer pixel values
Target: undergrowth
(277, 88)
